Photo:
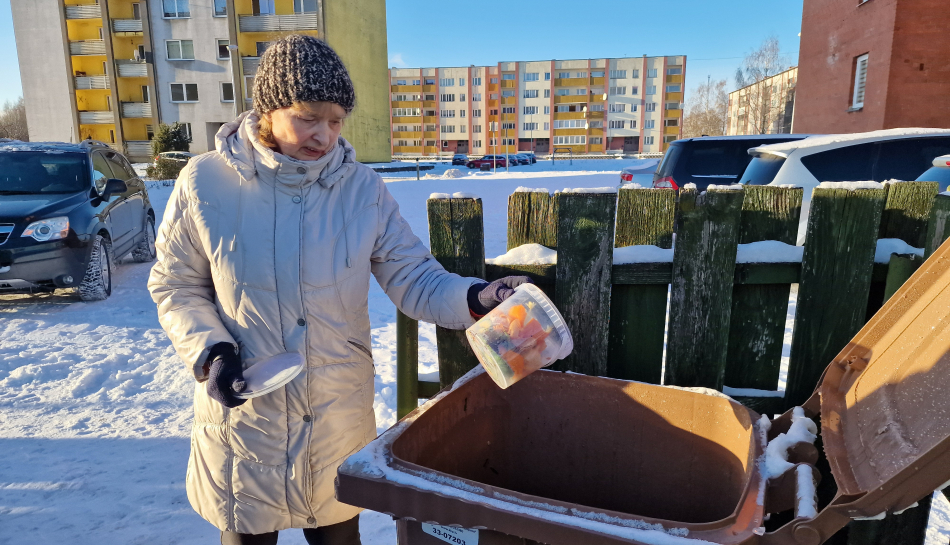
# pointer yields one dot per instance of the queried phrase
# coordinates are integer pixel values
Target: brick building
(872, 64)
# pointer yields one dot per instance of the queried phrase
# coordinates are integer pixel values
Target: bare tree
(13, 121)
(760, 107)
(707, 110)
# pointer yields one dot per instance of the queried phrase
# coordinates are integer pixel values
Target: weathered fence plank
(900, 268)
(707, 233)
(457, 240)
(407, 364)
(532, 218)
(638, 312)
(585, 238)
(836, 275)
(757, 321)
(908, 528)
(938, 228)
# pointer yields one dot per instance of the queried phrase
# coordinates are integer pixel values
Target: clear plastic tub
(520, 336)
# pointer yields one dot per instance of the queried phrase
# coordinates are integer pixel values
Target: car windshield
(29, 172)
(941, 175)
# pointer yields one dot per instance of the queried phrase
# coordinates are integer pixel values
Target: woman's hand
(226, 376)
(484, 297)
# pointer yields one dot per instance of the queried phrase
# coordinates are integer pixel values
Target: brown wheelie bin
(566, 459)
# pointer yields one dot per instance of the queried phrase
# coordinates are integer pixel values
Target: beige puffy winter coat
(275, 255)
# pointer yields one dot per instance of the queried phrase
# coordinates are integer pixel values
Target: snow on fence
(725, 291)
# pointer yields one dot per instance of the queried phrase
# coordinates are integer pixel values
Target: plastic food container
(520, 336)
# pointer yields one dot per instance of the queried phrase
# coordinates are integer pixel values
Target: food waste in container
(564, 459)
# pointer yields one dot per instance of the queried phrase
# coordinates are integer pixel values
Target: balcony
(127, 25)
(249, 65)
(429, 104)
(278, 23)
(132, 69)
(509, 84)
(405, 104)
(571, 99)
(91, 82)
(431, 134)
(87, 47)
(570, 82)
(139, 148)
(103, 117)
(509, 100)
(136, 110)
(430, 119)
(85, 11)
(413, 135)
(598, 82)
(428, 88)
(406, 88)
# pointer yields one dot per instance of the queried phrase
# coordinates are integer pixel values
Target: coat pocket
(358, 346)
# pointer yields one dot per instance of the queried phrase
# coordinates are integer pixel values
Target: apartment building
(765, 107)
(619, 106)
(112, 70)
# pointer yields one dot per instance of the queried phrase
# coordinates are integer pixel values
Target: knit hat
(300, 68)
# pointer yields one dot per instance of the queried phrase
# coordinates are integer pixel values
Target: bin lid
(885, 412)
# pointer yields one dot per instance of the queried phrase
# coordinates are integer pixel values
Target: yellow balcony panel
(406, 104)
(430, 119)
(570, 82)
(429, 104)
(431, 149)
(407, 149)
(509, 84)
(596, 82)
(407, 134)
(493, 102)
(428, 88)
(596, 132)
(405, 119)
(674, 97)
(406, 88)
(597, 147)
(568, 115)
(595, 115)
(674, 113)
(492, 86)
(598, 98)
(509, 100)
(676, 78)
(570, 99)
(509, 117)
(671, 130)
(569, 132)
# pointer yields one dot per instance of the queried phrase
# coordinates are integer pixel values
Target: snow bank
(577, 190)
(521, 189)
(730, 187)
(452, 173)
(646, 253)
(632, 186)
(526, 254)
(458, 195)
(888, 246)
(851, 186)
(769, 251)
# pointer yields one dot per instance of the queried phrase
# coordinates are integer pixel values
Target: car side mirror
(113, 186)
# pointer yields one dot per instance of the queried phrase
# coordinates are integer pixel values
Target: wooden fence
(726, 320)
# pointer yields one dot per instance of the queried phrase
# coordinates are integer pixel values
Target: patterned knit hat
(300, 68)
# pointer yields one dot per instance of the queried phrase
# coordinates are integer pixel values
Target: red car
(496, 161)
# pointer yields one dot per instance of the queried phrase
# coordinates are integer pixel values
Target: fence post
(532, 218)
(938, 228)
(704, 261)
(457, 241)
(836, 275)
(585, 242)
(407, 364)
(638, 313)
(757, 321)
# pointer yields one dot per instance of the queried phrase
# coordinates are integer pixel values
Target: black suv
(66, 212)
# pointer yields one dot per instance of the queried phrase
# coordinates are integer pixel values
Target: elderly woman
(267, 247)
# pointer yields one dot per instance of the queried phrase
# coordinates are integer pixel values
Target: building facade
(872, 64)
(619, 106)
(125, 66)
(765, 107)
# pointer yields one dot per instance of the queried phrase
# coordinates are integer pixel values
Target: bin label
(455, 536)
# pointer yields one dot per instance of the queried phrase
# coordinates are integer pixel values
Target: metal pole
(417, 168)
(236, 92)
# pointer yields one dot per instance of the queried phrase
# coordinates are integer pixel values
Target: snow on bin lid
(884, 409)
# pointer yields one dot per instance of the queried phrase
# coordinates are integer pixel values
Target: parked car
(710, 159)
(641, 168)
(67, 211)
(531, 157)
(522, 159)
(179, 156)
(901, 154)
(939, 172)
(459, 159)
(494, 161)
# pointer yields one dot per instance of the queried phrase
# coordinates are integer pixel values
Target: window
(546, 125)
(447, 113)
(461, 82)
(493, 80)
(530, 110)
(448, 128)
(597, 74)
(562, 108)
(562, 75)
(547, 76)
(447, 97)
(634, 90)
(400, 82)
(634, 107)
(184, 92)
(547, 93)
(633, 124)
(671, 122)
(430, 128)
(188, 130)
(596, 107)
(493, 96)
(648, 140)
(570, 124)
(462, 127)
(530, 126)
(651, 89)
(618, 74)
(476, 97)
(430, 113)
(635, 74)
(476, 81)
(563, 92)
(531, 93)
(220, 8)
(670, 138)
(651, 72)
(305, 6)
(180, 50)
(547, 109)
(596, 140)
(650, 107)
(462, 113)
(508, 110)
(674, 71)
(447, 82)
(227, 92)
(531, 76)
(249, 85)
(476, 143)
(508, 77)
(507, 92)
(580, 91)
(145, 94)
(175, 9)
(476, 128)
(262, 7)
(493, 112)
(462, 97)
(262, 47)
(676, 88)
(223, 52)
(596, 124)
(860, 81)
(618, 108)
(618, 90)
(415, 82)
(406, 112)
(507, 126)
(572, 139)
(673, 106)
(430, 98)
(430, 81)
(649, 124)
(618, 124)
(580, 74)
(430, 143)
(476, 113)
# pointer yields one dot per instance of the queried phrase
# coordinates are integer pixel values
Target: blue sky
(714, 34)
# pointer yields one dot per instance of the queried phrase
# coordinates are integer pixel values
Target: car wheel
(144, 252)
(97, 283)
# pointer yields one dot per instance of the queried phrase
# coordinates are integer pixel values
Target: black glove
(226, 377)
(484, 297)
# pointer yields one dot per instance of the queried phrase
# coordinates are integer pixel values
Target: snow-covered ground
(95, 407)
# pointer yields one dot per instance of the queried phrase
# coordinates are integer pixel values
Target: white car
(892, 154)
(939, 172)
